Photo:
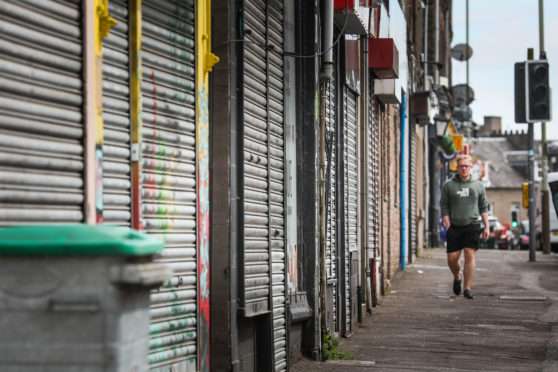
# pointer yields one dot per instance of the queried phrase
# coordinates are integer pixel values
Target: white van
(553, 209)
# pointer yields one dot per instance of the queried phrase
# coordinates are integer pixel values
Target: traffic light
(537, 90)
(514, 217)
(525, 195)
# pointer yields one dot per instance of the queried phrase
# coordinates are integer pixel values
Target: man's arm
(447, 222)
(445, 205)
(486, 232)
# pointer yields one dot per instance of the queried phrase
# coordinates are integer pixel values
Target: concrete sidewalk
(511, 325)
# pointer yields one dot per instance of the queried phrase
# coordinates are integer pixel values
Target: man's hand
(486, 233)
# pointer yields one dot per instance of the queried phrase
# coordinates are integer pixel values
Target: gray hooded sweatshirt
(463, 201)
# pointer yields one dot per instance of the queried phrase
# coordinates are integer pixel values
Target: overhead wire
(291, 54)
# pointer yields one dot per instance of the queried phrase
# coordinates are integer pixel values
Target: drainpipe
(365, 99)
(448, 46)
(425, 57)
(327, 61)
(426, 146)
(326, 74)
(403, 255)
(437, 41)
(436, 174)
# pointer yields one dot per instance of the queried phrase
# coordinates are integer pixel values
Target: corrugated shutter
(373, 181)
(331, 189)
(168, 178)
(373, 197)
(41, 119)
(413, 191)
(350, 198)
(275, 37)
(116, 119)
(382, 193)
(264, 246)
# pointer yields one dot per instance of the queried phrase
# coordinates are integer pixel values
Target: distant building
(492, 125)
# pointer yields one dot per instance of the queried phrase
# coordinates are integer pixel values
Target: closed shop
(350, 208)
(413, 228)
(41, 113)
(373, 197)
(262, 256)
(168, 177)
(331, 208)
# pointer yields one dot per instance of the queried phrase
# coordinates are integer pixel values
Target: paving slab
(511, 325)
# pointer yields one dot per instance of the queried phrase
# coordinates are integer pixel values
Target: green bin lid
(77, 239)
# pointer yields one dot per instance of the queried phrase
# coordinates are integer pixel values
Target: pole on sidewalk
(544, 159)
(532, 205)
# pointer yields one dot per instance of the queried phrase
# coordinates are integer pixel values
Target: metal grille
(264, 246)
(41, 120)
(331, 189)
(116, 120)
(350, 197)
(168, 178)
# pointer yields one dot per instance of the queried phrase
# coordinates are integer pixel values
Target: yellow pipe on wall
(135, 15)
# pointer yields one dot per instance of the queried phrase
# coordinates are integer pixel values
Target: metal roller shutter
(168, 178)
(264, 236)
(41, 120)
(373, 197)
(350, 199)
(412, 192)
(276, 146)
(380, 180)
(116, 119)
(373, 182)
(331, 205)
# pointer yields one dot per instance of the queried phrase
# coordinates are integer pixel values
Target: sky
(500, 31)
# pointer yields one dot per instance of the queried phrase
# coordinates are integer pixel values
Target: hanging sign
(457, 141)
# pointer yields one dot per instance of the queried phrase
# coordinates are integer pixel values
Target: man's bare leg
(454, 264)
(469, 269)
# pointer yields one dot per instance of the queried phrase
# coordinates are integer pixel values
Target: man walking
(462, 201)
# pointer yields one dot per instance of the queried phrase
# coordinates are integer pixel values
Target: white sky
(500, 31)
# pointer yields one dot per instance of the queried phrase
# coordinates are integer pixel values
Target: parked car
(553, 209)
(499, 237)
(521, 240)
(511, 236)
(503, 236)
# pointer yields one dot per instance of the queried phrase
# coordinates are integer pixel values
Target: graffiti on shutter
(168, 179)
(41, 119)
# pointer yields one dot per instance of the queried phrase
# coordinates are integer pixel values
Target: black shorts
(460, 237)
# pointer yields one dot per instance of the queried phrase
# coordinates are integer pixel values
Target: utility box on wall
(383, 58)
(388, 91)
(421, 108)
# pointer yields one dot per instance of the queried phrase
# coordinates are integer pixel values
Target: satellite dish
(461, 52)
(462, 113)
(462, 95)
